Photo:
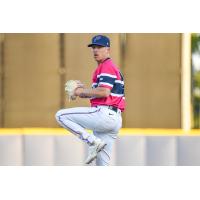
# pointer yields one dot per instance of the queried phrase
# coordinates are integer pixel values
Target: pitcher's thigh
(83, 116)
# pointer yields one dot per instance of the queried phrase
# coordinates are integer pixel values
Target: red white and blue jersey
(107, 75)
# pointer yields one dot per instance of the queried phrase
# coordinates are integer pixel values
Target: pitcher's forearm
(94, 92)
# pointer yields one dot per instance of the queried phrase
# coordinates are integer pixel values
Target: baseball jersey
(107, 75)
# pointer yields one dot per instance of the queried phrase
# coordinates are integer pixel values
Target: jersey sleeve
(107, 77)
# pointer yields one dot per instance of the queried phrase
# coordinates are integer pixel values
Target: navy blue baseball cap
(100, 40)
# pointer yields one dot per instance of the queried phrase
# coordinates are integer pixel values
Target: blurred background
(34, 68)
(162, 88)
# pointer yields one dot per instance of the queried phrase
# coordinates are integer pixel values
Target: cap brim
(97, 44)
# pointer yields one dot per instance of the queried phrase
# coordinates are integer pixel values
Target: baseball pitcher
(107, 102)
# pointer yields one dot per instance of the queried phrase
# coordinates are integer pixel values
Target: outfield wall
(38, 146)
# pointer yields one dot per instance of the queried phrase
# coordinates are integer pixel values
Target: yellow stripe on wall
(124, 131)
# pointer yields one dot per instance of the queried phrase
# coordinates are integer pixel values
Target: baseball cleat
(94, 150)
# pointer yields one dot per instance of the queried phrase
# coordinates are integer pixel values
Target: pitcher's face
(100, 53)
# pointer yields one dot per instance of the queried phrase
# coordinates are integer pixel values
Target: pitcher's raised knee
(58, 115)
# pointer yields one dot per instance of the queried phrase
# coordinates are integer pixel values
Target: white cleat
(94, 150)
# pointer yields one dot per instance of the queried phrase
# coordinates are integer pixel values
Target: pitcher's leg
(76, 130)
(76, 120)
(103, 157)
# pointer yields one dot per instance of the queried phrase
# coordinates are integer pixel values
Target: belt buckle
(113, 108)
(110, 107)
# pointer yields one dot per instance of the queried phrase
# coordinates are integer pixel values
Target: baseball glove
(71, 86)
